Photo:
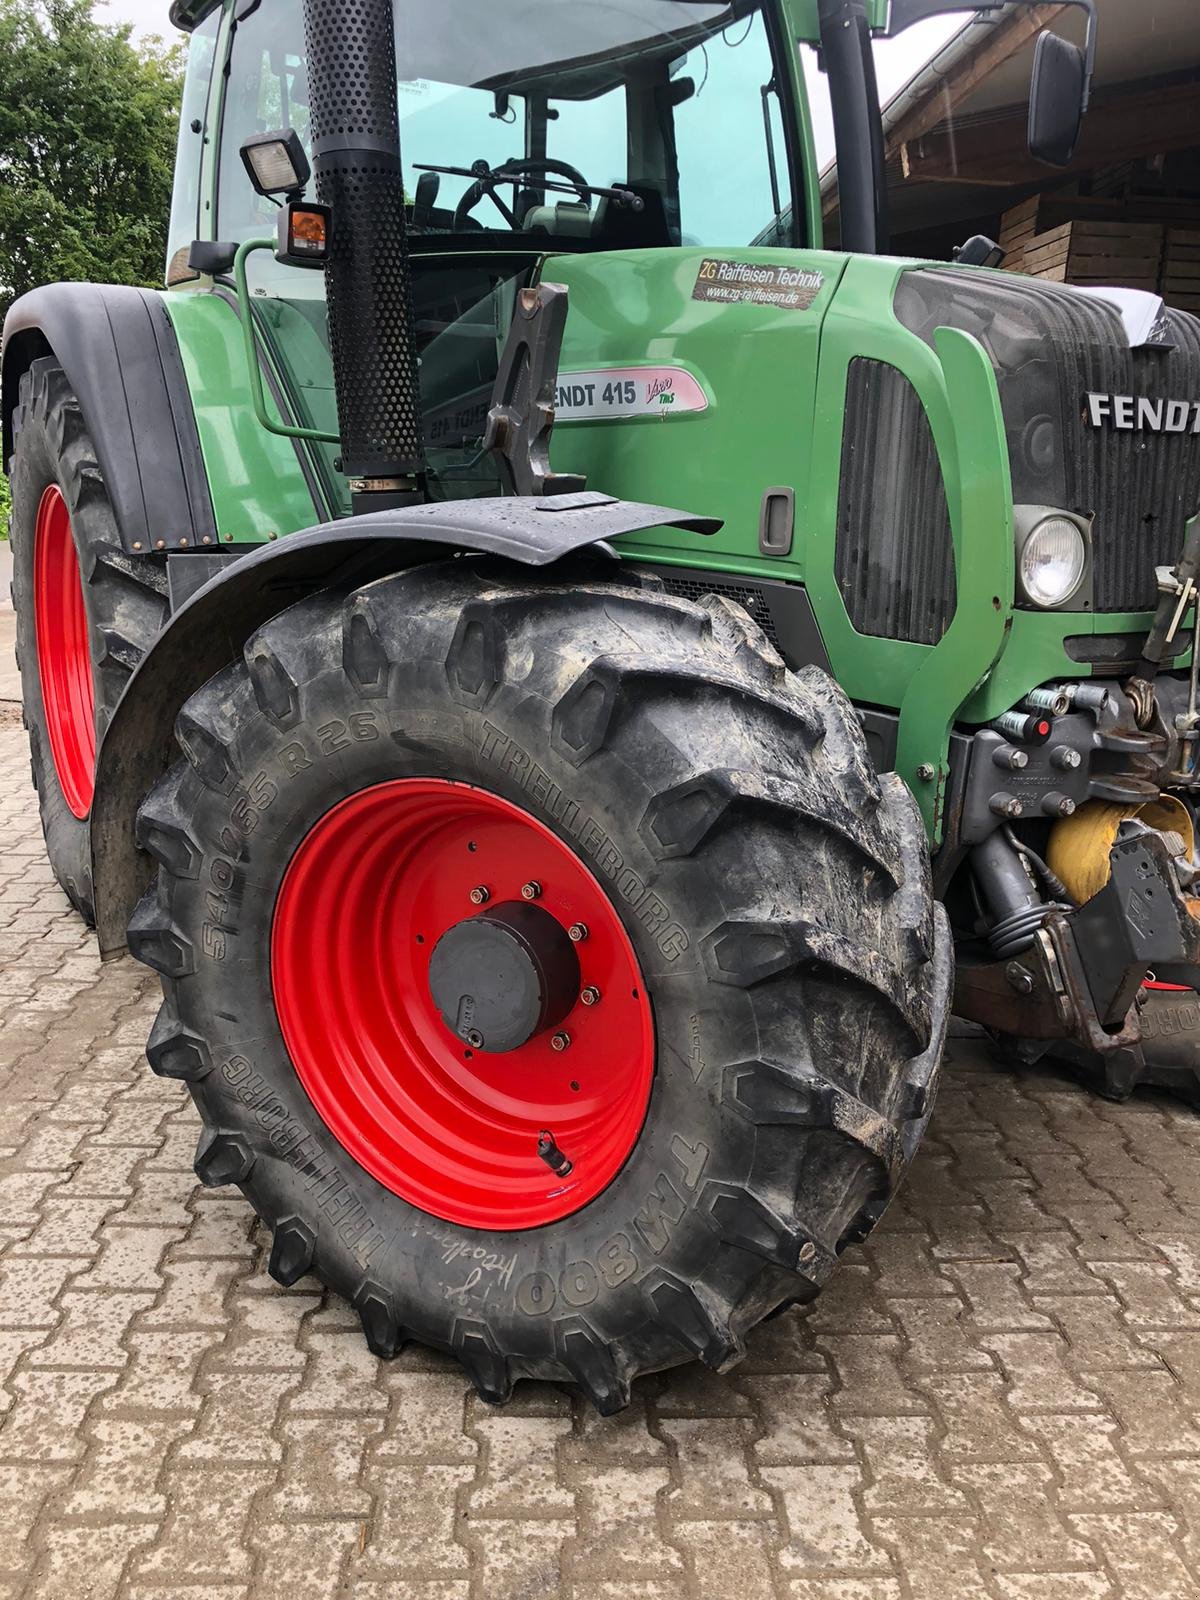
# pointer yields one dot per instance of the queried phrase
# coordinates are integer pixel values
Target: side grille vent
(743, 595)
(894, 559)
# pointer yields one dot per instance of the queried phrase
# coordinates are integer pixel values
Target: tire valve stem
(552, 1155)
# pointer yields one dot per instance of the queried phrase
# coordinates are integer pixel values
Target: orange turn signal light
(303, 238)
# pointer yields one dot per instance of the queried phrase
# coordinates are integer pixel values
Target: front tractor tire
(86, 612)
(549, 968)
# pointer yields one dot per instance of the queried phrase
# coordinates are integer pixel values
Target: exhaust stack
(368, 279)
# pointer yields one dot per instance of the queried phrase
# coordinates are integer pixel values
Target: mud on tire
(798, 966)
(124, 597)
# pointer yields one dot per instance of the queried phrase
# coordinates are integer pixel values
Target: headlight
(1052, 556)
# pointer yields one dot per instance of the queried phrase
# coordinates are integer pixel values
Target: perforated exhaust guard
(368, 281)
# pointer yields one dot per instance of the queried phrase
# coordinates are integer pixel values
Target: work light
(1052, 555)
(276, 162)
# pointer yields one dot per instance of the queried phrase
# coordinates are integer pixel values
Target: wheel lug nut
(479, 895)
(530, 890)
(577, 932)
(560, 1040)
(590, 995)
(474, 1038)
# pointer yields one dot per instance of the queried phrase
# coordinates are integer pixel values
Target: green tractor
(556, 873)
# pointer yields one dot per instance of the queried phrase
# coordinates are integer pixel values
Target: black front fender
(211, 628)
(121, 358)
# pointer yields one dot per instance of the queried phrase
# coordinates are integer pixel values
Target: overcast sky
(896, 60)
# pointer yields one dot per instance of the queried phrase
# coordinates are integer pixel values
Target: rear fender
(212, 626)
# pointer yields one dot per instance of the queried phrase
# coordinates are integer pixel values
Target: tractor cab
(525, 135)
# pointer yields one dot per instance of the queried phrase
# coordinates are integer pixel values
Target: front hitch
(1076, 985)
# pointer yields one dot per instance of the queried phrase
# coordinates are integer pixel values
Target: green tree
(87, 140)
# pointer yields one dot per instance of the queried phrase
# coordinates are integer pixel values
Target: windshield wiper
(480, 171)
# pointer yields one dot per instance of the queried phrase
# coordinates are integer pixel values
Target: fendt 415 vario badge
(555, 872)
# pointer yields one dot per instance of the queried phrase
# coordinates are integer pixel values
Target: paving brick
(204, 1536)
(1050, 1264)
(1153, 1412)
(870, 1382)
(1090, 1471)
(327, 1471)
(941, 1337)
(342, 1375)
(712, 1467)
(620, 1535)
(1148, 1293)
(1036, 1374)
(520, 1474)
(625, 1439)
(160, 1376)
(903, 1266)
(86, 1560)
(263, 1330)
(130, 1258)
(939, 1556)
(1140, 1552)
(404, 1545)
(900, 1458)
(1096, 1333)
(797, 1422)
(843, 1589)
(91, 1332)
(30, 1287)
(237, 1421)
(303, 1561)
(512, 1559)
(25, 1489)
(14, 1344)
(44, 1421)
(194, 1295)
(824, 1528)
(978, 1424)
(995, 1295)
(729, 1558)
(1053, 1585)
(424, 1419)
(1024, 1531)
(119, 1476)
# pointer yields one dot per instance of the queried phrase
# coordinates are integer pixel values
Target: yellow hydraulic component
(1080, 844)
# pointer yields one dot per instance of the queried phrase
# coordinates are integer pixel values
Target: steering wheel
(487, 184)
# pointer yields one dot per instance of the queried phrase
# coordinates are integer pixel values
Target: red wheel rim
(64, 658)
(374, 886)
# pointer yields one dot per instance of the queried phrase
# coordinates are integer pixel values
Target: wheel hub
(462, 1003)
(503, 976)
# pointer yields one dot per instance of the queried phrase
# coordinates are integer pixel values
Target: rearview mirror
(1057, 100)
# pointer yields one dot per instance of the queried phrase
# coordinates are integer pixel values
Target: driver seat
(569, 219)
(618, 227)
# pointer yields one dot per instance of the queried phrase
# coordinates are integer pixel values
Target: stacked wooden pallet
(1181, 269)
(1089, 240)
(1083, 250)
(1018, 227)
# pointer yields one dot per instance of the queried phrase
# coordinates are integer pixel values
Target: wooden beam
(1008, 39)
(1118, 128)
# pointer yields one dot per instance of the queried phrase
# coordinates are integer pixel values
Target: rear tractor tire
(549, 968)
(86, 612)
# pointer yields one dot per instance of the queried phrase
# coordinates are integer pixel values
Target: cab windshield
(602, 124)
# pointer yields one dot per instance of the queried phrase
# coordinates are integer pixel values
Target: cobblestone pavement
(999, 1396)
